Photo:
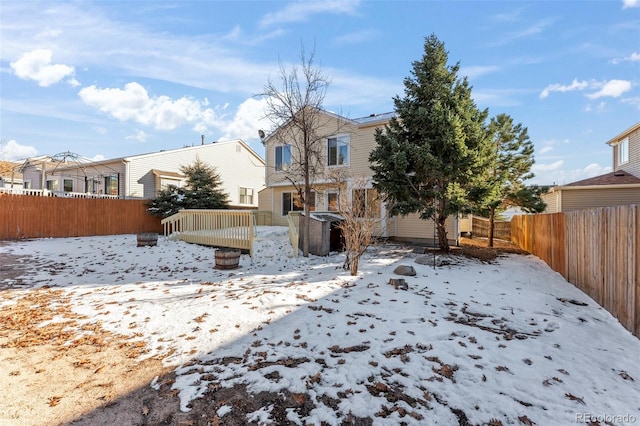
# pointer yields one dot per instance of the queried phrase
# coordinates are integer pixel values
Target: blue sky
(106, 79)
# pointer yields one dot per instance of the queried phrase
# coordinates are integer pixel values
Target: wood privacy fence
(597, 250)
(23, 216)
(480, 228)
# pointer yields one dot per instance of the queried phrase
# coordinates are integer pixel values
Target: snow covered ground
(509, 340)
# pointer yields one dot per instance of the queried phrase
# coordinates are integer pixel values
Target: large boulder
(406, 270)
(430, 260)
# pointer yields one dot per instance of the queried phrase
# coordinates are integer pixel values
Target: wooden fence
(24, 216)
(480, 228)
(597, 250)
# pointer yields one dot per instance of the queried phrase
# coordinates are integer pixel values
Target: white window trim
(249, 192)
(623, 151)
(348, 143)
(285, 166)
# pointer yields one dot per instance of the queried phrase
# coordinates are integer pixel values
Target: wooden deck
(217, 228)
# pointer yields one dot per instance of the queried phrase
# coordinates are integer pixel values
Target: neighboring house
(346, 149)
(10, 176)
(241, 169)
(620, 187)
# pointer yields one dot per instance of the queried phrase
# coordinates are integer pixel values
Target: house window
(91, 185)
(283, 157)
(338, 151)
(623, 151)
(165, 183)
(365, 202)
(333, 202)
(246, 195)
(111, 185)
(67, 185)
(291, 202)
(52, 185)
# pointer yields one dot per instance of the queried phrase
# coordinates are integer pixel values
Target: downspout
(127, 174)
(43, 178)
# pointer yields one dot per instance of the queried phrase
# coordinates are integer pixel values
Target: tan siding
(412, 227)
(277, 219)
(551, 200)
(361, 141)
(633, 166)
(579, 199)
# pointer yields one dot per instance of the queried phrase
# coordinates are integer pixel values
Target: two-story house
(620, 187)
(241, 169)
(345, 149)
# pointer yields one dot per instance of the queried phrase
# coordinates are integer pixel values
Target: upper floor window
(246, 195)
(283, 157)
(338, 150)
(623, 151)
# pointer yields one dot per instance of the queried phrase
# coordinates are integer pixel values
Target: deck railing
(49, 193)
(218, 228)
(293, 218)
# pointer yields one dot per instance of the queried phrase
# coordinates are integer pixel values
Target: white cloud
(301, 11)
(478, 70)
(248, 119)
(12, 151)
(36, 65)
(545, 149)
(356, 37)
(630, 3)
(612, 88)
(600, 107)
(547, 174)
(634, 57)
(556, 165)
(139, 136)
(98, 157)
(575, 85)
(134, 104)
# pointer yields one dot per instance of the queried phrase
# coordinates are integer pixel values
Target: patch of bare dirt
(478, 248)
(57, 370)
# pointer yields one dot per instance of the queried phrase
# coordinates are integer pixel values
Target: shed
(325, 235)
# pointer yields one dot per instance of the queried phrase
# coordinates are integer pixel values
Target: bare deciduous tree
(294, 108)
(360, 208)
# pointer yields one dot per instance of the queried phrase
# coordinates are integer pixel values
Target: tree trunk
(353, 268)
(307, 222)
(443, 243)
(492, 217)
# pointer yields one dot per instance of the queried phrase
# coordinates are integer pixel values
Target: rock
(406, 270)
(429, 260)
(399, 283)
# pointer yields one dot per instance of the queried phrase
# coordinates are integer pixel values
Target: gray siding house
(141, 176)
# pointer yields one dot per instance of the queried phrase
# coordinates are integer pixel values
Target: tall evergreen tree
(202, 191)
(426, 158)
(509, 161)
(203, 187)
